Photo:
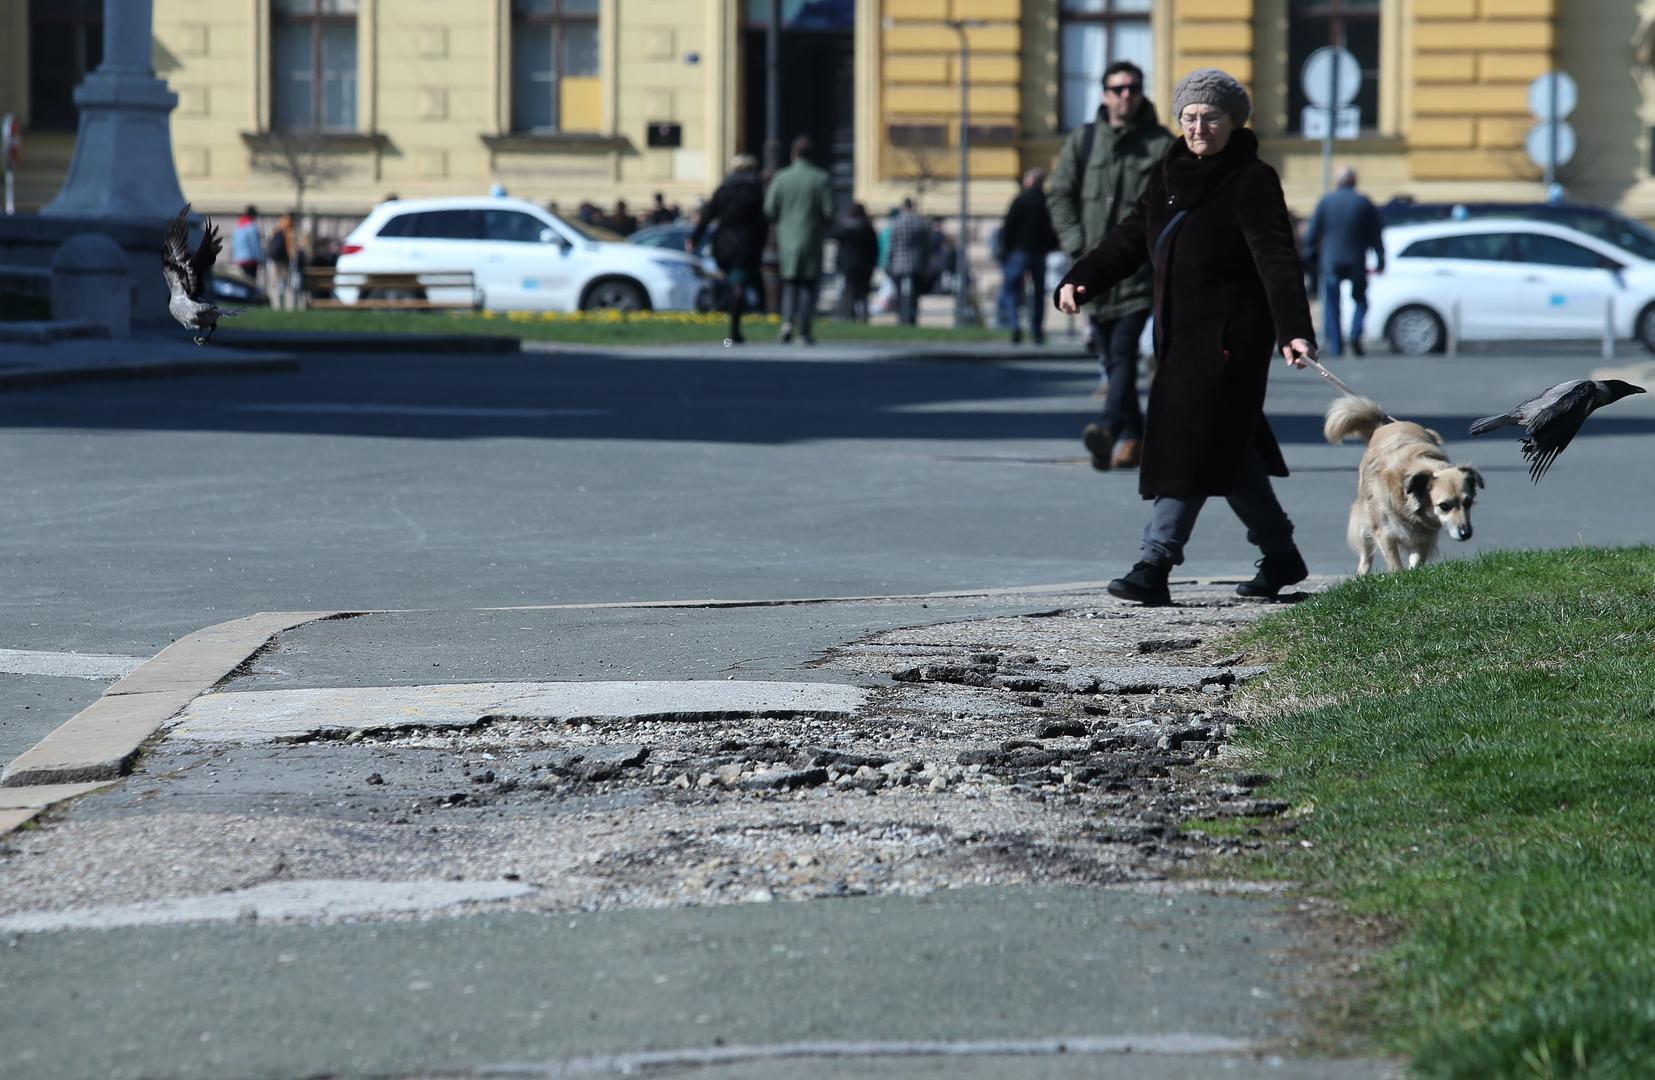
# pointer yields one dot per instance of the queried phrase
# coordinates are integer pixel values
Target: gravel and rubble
(1078, 745)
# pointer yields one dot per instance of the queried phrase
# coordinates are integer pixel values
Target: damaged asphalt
(973, 848)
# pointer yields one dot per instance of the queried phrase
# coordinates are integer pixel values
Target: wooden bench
(409, 291)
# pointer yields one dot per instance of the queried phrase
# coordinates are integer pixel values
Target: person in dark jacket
(1229, 294)
(858, 253)
(1101, 171)
(1026, 238)
(1344, 228)
(738, 245)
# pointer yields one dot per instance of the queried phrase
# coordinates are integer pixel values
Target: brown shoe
(1098, 443)
(1128, 453)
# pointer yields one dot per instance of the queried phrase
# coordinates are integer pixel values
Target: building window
(1354, 24)
(1095, 34)
(313, 65)
(65, 46)
(554, 66)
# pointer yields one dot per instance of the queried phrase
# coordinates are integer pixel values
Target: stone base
(29, 241)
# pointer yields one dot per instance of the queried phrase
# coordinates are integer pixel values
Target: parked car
(673, 238)
(523, 257)
(1606, 225)
(232, 288)
(1507, 279)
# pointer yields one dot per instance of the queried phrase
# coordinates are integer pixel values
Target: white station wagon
(522, 257)
(1507, 279)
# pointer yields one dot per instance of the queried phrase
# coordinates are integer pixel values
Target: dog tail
(1351, 415)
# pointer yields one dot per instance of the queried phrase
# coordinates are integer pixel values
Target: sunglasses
(1133, 87)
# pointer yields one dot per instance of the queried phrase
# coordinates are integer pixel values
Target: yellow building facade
(597, 100)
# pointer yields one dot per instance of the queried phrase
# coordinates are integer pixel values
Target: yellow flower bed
(611, 317)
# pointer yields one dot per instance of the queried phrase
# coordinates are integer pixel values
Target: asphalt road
(138, 512)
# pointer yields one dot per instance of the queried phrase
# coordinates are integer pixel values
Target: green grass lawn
(1472, 749)
(648, 328)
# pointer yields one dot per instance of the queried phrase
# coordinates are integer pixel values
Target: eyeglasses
(1210, 121)
(1125, 88)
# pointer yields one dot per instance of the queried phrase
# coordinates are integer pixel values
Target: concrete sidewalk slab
(292, 714)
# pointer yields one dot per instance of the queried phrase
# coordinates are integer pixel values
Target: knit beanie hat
(1209, 86)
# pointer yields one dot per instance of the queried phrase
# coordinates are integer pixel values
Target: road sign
(1318, 76)
(1553, 96)
(1538, 143)
(1346, 125)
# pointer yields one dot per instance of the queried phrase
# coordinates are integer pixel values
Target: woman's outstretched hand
(1070, 297)
(1296, 350)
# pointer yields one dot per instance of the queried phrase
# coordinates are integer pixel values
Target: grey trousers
(799, 303)
(1172, 519)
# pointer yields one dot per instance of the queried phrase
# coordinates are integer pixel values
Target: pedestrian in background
(907, 253)
(661, 213)
(621, 222)
(278, 261)
(800, 202)
(1344, 228)
(1026, 238)
(737, 207)
(246, 245)
(858, 251)
(1228, 290)
(1101, 171)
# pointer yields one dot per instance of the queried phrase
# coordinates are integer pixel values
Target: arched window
(1095, 33)
(1351, 23)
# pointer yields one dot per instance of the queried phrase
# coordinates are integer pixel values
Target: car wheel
(614, 293)
(1416, 331)
(1645, 327)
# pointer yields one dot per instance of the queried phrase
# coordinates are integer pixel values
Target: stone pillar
(91, 283)
(123, 166)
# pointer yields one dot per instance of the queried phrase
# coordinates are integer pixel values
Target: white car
(522, 257)
(1491, 279)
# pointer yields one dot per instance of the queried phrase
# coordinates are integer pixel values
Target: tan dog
(1406, 491)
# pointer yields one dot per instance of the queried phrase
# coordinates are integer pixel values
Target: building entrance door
(817, 84)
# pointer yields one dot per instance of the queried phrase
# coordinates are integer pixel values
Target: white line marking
(344, 408)
(319, 899)
(65, 665)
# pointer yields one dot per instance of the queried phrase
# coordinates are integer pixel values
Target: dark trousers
(1332, 318)
(853, 298)
(1018, 272)
(1118, 338)
(1172, 518)
(907, 298)
(799, 304)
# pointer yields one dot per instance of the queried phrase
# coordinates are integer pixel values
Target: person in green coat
(800, 203)
(1101, 171)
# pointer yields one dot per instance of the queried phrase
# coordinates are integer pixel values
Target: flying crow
(187, 275)
(1551, 419)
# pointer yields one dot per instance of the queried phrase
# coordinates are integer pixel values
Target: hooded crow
(187, 276)
(1551, 419)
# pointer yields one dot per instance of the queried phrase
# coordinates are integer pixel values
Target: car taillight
(350, 249)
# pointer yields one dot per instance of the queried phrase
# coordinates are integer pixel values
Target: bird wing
(175, 256)
(1543, 405)
(1551, 428)
(201, 263)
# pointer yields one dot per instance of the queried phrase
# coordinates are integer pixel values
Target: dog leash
(1338, 382)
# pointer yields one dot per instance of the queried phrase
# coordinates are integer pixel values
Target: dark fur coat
(1228, 292)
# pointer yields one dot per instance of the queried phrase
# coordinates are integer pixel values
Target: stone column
(123, 166)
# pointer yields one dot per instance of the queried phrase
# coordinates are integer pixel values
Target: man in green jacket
(800, 202)
(1101, 172)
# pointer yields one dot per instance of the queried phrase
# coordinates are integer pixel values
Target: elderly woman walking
(1229, 294)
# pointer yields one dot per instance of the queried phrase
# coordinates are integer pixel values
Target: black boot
(1146, 583)
(1275, 572)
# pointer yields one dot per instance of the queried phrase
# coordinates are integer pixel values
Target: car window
(1495, 247)
(400, 225)
(1423, 249)
(449, 225)
(512, 225)
(666, 238)
(1555, 251)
